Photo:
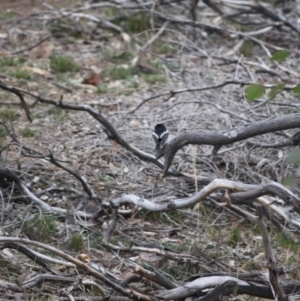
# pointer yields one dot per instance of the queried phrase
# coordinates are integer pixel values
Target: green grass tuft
(247, 49)
(76, 242)
(8, 62)
(8, 114)
(116, 73)
(102, 89)
(58, 113)
(107, 178)
(138, 23)
(39, 228)
(163, 48)
(63, 64)
(21, 60)
(235, 236)
(3, 132)
(154, 79)
(22, 74)
(6, 15)
(287, 243)
(27, 133)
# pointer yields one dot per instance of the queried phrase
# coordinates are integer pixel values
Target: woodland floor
(114, 73)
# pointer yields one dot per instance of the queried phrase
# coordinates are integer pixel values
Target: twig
(155, 277)
(19, 94)
(78, 263)
(156, 36)
(33, 46)
(186, 90)
(272, 264)
(112, 226)
(76, 174)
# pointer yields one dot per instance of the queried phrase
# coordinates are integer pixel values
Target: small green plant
(39, 228)
(244, 28)
(131, 88)
(76, 242)
(107, 178)
(27, 133)
(208, 79)
(291, 181)
(21, 60)
(3, 132)
(172, 271)
(8, 62)
(162, 48)
(116, 73)
(11, 62)
(154, 79)
(247, 48)
(213, 233)
(171, 216)
(102, 89)
(6, 15)
(256, 230)
(287, 243)
(157, 64)
(138, 23)
(22, 74)
(8, 114)
(182, 247)
(133, 85)
(37, 116)
(58, 113)
(235, 236)
(63, 64)
(64, 79)
(110, 11)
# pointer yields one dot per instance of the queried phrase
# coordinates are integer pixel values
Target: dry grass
(213, 236)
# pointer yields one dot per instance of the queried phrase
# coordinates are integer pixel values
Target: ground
(138, 67)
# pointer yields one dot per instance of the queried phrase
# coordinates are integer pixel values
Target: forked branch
(218, 139)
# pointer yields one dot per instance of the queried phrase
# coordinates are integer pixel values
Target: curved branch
(219, 139)
(231, 287)
(111, 131)
(198, 285)
(19, 94)
(203, 194)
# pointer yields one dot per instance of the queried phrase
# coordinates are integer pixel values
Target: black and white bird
(160, 135)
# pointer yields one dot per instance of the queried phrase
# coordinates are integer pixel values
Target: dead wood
(228, 136)
(85, 168)
(277, 289)
(20, 96)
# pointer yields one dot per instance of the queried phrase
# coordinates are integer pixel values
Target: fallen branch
(218, 139)
(79, 264)
(277, 289)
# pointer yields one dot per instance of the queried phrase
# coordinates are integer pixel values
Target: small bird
(160, 135)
